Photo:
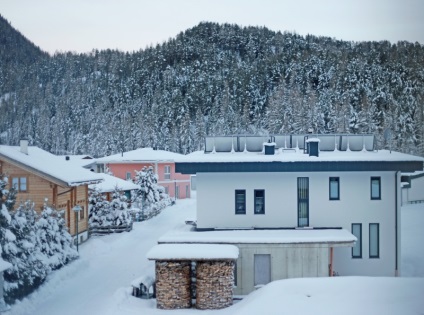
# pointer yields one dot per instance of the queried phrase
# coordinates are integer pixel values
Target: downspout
(396, 225)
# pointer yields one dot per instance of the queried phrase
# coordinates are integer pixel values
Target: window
(375, 188)
(260, 201)
(374, 240)
(303, 201)
(128, 175)
(100, 168)
(82, 213)
(187, 191)
(167, 172)
(240, 201)
(357, 249)
(19, 183)
(177, 192)
(167, 190)
(334, 188)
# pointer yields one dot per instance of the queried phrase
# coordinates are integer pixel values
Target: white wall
(287, 261)
(416, 192)
(216, 203)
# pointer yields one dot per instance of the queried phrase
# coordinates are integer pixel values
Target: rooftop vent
(269, 148)
(312, 146)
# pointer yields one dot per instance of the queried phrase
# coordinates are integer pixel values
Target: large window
(302, 201)
(357, 249)
(334, 188)
(240, 201)
(167, 172)
(259, 201)
(374, 240)
(375, 188)
(20, 183)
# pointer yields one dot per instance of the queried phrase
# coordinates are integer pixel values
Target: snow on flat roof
(4, 265)
(110, 182)
(50, 164)
(192, 252)
(140, 155)
(297, 155)
(187, 234)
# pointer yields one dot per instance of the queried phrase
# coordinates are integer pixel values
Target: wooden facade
(39, 187)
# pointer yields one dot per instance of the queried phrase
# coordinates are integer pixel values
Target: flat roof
(192, 252)
(295, 160)
(188, 234)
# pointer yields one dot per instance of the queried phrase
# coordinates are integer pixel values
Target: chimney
(24, 146)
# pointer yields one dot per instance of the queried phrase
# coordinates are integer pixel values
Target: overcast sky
(128, 25)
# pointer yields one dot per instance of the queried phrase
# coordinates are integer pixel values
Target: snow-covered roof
(298, 155)
(140, 155)
(110, 182)
(187, 234)
(4, 265)
(49, 165)
(192, 252)
(78, 160)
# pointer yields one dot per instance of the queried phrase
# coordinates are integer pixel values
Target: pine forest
(212, 79)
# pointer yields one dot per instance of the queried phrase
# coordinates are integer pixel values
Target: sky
(131, 25)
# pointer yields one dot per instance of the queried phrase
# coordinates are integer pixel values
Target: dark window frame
(375, 178)
(359, 242)
(236, 203)
(377, 241)
(302, 199)
(337, 180)
(257, 197)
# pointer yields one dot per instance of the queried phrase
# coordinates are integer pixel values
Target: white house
(300, 205)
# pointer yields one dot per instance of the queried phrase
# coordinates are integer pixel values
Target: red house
(124, 165)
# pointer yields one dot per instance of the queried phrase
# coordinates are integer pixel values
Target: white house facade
(302, 184)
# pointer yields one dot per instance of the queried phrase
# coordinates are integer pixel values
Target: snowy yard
(99, 281)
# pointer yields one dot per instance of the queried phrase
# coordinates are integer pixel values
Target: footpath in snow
(99, 281)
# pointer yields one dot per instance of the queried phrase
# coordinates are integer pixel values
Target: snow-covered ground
(99, 281)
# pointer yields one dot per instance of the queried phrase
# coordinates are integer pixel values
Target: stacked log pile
(214, 284)
(173, 284)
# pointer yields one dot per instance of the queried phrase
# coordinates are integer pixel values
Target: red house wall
(177, 181)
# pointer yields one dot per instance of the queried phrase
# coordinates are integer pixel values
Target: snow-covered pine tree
(99, 209)
(152, 196)
(7, 238)
(118, 207)
(147, 180)
(54, 240)
(29, 266)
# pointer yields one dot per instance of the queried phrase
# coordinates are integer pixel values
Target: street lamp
(76, 209)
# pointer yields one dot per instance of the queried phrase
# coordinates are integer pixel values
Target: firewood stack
(214, 284)
(173, 284)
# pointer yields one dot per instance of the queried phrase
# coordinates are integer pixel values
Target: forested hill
(216, 79)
